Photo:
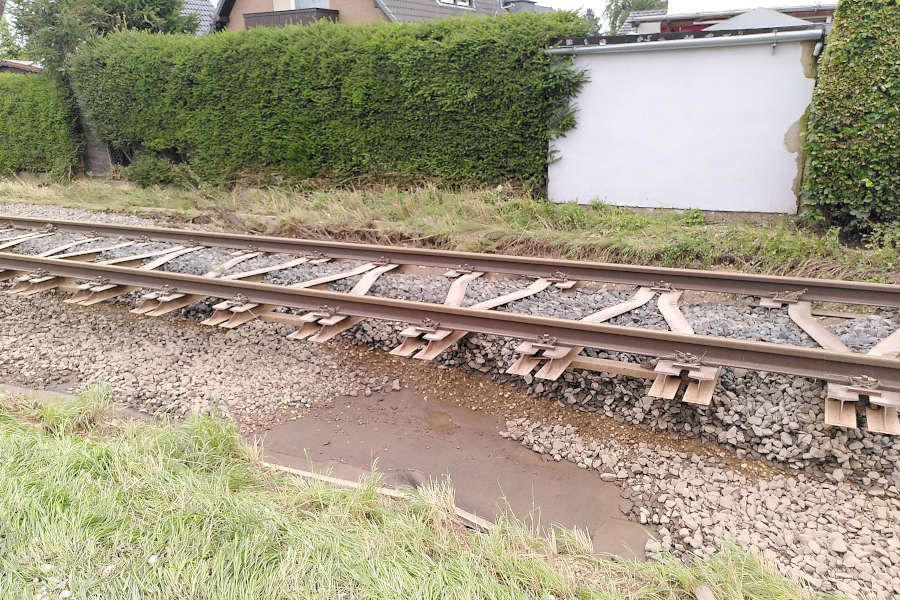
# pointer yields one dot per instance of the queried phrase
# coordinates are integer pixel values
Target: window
(460, 3)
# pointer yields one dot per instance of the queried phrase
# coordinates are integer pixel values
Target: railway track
(687, 365)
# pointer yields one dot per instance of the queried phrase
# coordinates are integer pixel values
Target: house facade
(243, 14)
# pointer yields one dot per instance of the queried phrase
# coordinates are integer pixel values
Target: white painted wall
(701, 128)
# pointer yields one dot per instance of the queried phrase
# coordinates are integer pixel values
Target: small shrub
(885, 235)
(853, 143)
(693, 217)
(148, 169)
(37, 126)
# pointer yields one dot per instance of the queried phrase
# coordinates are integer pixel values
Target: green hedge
(473, 98)
(853, 179)
(37, 130)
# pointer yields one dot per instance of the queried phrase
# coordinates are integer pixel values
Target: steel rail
(830, 290)
(791, 360)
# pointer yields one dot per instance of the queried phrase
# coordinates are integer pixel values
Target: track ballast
(688, 365)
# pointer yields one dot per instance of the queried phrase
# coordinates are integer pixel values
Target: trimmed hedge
(472, 98)
(853, 141)
(37, 130)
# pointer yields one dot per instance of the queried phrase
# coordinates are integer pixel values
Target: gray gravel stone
(199, 262)
(140, 248)
(863, 333)
(101, 243)
(42, 244)
(8, 234)
(646, 316)
(552, 302)
(260, 262)
(253, 374)
(61, 213)
(839, 532)
(485, 288)
(746, 322)
(421, 288)
(305, 272)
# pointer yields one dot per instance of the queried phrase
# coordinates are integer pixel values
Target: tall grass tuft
(64, 415)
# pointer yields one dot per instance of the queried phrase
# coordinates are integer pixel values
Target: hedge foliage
(473, 98)
(37, 125)
(853, 141)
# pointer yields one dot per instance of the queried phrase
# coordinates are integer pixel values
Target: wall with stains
(708, 128)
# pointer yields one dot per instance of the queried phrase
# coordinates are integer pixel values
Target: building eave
(697, 40)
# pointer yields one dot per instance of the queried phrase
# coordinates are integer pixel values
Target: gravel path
(253, 373)
(646, 316)
(835, 535)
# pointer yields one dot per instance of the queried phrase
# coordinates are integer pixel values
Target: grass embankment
(92, 507)
(489, 221)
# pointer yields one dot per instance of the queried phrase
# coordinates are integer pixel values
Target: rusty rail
(815, 363)
(850, 292)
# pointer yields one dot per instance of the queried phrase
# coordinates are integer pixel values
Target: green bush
(472, 98)
(853, 180)
(37, 125)
(149, 169)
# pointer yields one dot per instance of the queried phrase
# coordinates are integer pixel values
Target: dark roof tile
(204, 11)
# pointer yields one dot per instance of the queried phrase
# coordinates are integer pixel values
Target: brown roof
(628, 27)
(21, 66)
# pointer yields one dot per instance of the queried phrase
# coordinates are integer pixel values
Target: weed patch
(498, 220)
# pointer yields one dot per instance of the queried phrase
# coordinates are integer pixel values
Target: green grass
(108, 509)
(65, 415)
(489, 220)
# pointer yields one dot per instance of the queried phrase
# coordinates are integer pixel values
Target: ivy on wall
(473, 98)
(853, 140)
